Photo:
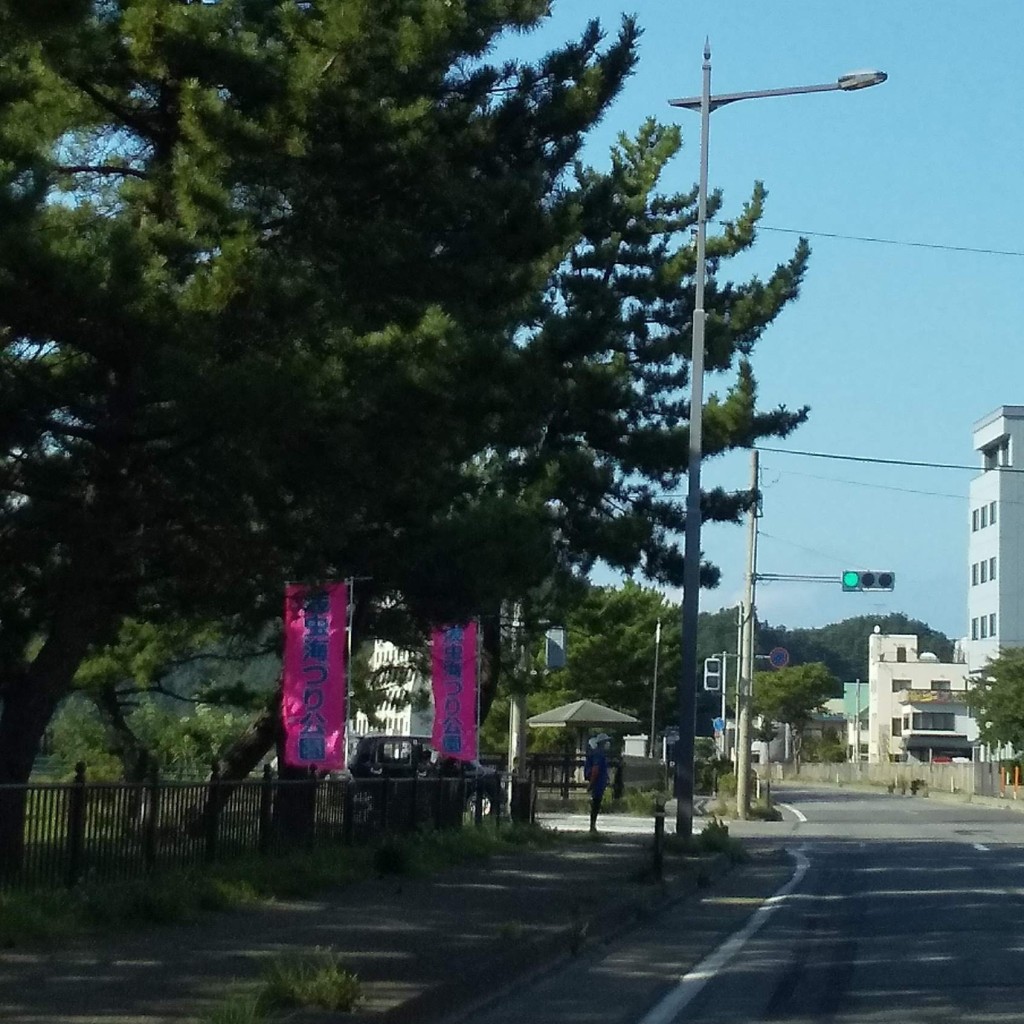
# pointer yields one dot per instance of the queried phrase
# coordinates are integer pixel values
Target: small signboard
(778, 657)
(718, 724)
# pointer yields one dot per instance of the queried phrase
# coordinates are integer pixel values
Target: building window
(974, 629)
(897, 727)
(992, 568)
(901, 654)
(992, 624)
(900, 684)
(936, 721)
(974, 574)
(983, 622)
(992, 513)
(984, 571)
(941, 684)
(984, 516)
(974, 521)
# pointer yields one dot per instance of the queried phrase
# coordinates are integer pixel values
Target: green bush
(727, 785)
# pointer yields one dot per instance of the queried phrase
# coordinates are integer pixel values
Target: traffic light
(873, 579)
(713, 674)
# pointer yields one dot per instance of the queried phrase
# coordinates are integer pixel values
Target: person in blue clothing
(596, 770)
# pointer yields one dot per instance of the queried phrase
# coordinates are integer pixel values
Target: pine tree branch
(111, 169)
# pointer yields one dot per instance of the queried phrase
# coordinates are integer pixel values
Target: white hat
(601, 737)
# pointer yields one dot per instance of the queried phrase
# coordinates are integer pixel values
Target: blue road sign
(779, 657)
(718, 723)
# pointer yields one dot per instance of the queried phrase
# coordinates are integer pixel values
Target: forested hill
(842, 646)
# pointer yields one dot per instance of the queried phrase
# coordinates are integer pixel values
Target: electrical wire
(877, 240)
(875, 460)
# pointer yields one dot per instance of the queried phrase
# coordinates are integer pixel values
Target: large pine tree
(255, 257)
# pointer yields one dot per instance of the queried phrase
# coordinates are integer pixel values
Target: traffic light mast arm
(851, 580)
(799, 577)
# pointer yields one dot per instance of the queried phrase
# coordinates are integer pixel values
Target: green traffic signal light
(857, 580)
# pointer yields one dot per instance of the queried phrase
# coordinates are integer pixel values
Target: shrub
(316, 979)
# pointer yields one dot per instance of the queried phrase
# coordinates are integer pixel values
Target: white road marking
(690, 984)
(800, 816)
(982, 847)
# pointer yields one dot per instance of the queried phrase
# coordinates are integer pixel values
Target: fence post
(152, 817)
(76, 825)
(212, 811)
(348, 810)
(311, 806)
(266, 809)
(384, 785)
(412, 804)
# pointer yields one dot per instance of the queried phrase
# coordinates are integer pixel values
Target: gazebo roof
(581, 713)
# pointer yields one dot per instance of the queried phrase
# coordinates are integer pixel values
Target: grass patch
(761, 810)
(35, 919)
(639, 802)
(316, 980)
(714, 839)
(51, 917)
(237, 1008)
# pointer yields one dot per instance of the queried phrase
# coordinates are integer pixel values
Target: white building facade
(995, 549)
(918, 709)
(408, 709)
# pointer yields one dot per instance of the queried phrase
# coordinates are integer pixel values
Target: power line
(903, 243)
(880, 487)
(874, 460)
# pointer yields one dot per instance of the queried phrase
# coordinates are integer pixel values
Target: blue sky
(897, 349)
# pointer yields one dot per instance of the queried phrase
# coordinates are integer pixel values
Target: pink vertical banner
(453, 675)
(314, 704)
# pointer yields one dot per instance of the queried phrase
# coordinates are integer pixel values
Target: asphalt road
(886, 909)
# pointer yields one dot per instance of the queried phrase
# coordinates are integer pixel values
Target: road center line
(800, 816)
(982, 847)
(690, 984)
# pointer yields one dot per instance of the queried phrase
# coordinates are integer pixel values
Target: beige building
(917, 704)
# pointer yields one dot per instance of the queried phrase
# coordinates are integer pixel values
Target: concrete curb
(506, 966)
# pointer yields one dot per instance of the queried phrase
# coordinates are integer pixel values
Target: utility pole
(654, 687)
(856, 728)
(745, 683)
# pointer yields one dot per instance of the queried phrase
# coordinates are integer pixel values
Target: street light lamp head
(855, 80)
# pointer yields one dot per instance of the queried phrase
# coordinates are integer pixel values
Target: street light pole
(691, 537)
(687, 692)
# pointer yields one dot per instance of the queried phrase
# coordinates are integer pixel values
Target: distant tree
(611, 645)
(997, 699)
(792, 695)
(843, 646)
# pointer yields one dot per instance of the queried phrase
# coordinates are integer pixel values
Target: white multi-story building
(407, 709)
(918, 709)
(995, 550)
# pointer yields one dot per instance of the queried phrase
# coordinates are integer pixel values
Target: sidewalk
(419, 946)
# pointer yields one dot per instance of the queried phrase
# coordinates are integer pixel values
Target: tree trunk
(242, 757)
(29, 701)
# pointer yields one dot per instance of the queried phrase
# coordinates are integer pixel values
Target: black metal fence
(564, 773)
(99, 831)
